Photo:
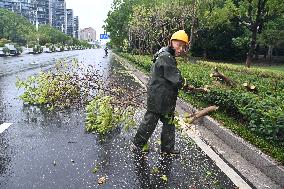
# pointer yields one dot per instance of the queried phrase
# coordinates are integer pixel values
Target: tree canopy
(218, 29)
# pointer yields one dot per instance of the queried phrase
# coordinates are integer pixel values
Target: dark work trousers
(148, 126)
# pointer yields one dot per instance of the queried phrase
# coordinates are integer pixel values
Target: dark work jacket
(164, 83)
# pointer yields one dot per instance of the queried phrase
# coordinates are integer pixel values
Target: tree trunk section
(193, 24)
(192, 30)
(204, 54)
(251, 48)
(270, 50)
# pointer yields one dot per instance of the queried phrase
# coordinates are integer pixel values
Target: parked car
(12, 49)
(46, 49)
(30, 50)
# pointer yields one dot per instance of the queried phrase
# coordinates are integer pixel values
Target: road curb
(261, 161)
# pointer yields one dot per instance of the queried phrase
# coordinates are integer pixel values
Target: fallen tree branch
(191, 118)
(192, 89)
(222, 77)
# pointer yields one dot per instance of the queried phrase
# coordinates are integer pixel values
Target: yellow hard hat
(180, 35)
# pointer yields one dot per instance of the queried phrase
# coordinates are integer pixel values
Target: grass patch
(263, 66)
(276, 68)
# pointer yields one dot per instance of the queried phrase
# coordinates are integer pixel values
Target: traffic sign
(104, 36)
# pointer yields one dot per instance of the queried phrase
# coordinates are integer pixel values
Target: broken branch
(192, 89)
(190, 119)
(222, 77)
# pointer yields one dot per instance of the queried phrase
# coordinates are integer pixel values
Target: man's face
(179, 46)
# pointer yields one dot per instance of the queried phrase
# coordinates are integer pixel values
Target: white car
(30, 50)
(1, 52)
(46, 50)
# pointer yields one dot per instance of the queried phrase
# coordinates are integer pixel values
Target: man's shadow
(153, 177)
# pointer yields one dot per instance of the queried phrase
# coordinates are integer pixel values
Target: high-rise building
(24, 8)
(50, 15)
(59, 16)
(70, 22)
(88, 34)
(76, 27)
(43, 8)
(33, 10)
(52, 12)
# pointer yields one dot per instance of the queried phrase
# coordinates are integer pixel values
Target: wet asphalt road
(52, 150)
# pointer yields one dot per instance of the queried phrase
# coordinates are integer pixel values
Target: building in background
(44, 9)
(33, 10)
(49, 12)
(70, 22)
(59, 16)
(24, 8)
(88, 34)
(76, 27)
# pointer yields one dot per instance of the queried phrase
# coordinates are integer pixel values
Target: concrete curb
(253, 155)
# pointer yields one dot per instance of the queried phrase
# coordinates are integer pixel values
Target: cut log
(222, 77)
(190, 119)
(250, 88)
(192, 89)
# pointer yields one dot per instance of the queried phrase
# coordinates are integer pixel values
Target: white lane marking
(4, 126)
(235, 178)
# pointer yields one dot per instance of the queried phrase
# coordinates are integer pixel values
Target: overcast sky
(92, 13)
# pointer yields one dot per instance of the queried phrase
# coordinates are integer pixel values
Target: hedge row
(263, 112)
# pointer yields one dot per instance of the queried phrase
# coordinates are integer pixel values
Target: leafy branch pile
(73, 84)
(103, 115)
(64, 86)
(113, 106)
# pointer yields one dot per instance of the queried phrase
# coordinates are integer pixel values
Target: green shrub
(19, 49)
(52, 48)
(6, 50)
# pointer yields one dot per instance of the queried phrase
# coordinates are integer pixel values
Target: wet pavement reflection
(44, 149)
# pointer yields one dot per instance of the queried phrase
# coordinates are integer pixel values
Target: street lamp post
(37, 25)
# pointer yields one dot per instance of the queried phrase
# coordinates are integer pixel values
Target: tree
(273, 34)
(117, 21)
(254, 14)
(218, 29)
(14, 27)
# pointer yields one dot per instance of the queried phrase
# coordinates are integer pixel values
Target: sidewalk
(252, 166)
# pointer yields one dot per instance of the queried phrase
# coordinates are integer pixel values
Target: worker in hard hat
(162, 92)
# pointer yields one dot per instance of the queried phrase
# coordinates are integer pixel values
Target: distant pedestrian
(106, 51)
(162, 92)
